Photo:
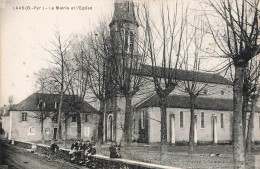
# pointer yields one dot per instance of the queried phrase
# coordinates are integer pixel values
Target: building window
(56, 105)
(126, 38)
(131, 42)
(202, 120)
(24, 116)
(55, 119)
(31, 131)
(142, 120)
(222, 120)
(86, 117)
(41, 104)
(181, 119)
(86, 132)
(74, 118)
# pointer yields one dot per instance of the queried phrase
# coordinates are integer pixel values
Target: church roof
(70, 101)
(180, 101)
(184, 75)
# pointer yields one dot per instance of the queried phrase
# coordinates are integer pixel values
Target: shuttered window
(24, 116)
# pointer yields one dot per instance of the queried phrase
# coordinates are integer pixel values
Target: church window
(222, 120)
(202, 120)
(126, 39)
(128, 6)
(181, 119)
(131, 41)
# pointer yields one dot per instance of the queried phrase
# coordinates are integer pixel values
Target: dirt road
(18, 158)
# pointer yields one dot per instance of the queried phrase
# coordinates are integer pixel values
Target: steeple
(124, 27)
(124, 12)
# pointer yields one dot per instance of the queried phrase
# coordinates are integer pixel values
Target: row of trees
(94, 63)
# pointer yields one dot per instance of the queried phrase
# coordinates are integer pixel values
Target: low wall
(27, 145)
(103, 162)
(99, 161)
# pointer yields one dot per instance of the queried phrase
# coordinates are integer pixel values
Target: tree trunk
(192, 122)
(114, 104)
(78, 125)
(42, 132)
(128, 119)
(101, 121)
(59, 117)
(163, 105)
(249, 139)
(101, 125)
(238, 142)
(244, 109)
(66, 132)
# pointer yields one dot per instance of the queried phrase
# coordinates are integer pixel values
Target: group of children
(79, 152)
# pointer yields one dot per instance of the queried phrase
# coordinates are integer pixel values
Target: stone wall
(98, 161)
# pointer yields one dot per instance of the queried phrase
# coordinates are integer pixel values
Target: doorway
(55, 130)
(215, 137)
(109, 127)
(172, 123)
(195, 130)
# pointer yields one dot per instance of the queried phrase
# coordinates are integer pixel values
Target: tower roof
(124, 11)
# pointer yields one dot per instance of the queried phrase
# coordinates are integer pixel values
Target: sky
(27, 27)
(25, 34)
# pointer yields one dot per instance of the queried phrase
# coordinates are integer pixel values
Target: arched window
(128, 6)
(126, 38)
(202, 120)
(181, 119)
(131, 45)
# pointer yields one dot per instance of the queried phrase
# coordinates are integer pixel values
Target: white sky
(23, 32)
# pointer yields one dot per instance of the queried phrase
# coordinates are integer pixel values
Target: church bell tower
(124, 27)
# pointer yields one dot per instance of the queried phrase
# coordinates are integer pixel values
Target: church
(213, 108)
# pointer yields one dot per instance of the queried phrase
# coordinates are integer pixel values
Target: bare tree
(164, 50)
(194, 37)
(127, 63)
(97, 58)
(252, 92)
(237, 39)
(78, 72)
(59, 53)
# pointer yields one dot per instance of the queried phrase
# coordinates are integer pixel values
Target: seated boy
(53, 148)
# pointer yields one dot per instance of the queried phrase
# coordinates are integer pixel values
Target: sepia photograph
(129, 84)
